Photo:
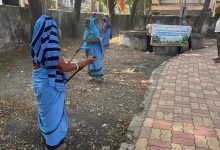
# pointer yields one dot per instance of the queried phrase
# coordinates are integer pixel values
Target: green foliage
(103, 2)
(140, 6)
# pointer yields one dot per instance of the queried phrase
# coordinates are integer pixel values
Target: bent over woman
(49, 81)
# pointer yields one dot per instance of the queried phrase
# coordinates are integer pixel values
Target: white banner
(170, 35)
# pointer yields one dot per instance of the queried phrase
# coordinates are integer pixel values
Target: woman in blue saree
(49, 81)
(94, 47)
(106, 32)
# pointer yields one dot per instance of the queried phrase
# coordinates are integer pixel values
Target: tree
(36, 9)
(77, 8)
(133, 10)
(202, 16)
(76, 16)
(141, 9)
(206, 6)
(111, 8)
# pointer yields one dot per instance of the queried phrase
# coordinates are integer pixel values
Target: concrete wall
(208, 26)
(134, 39)
(66, 24)
(14, 26)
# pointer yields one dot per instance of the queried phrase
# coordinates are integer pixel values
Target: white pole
(22, 3)
(1, 2)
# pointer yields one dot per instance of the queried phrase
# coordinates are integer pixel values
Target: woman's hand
(91, 40)
(91, 59)
(67, 67)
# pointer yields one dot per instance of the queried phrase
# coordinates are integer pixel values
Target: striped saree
(48, 83)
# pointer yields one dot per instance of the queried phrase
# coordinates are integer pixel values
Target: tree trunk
(76, 17)
(44, 6)
(35, 9)
(133, 10)
(202, 16)
(206, 6)
(77, 8)
(111, 8)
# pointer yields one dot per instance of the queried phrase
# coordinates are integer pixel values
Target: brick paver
(185, 110)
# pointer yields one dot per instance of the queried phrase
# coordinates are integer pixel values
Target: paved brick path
(185, 110)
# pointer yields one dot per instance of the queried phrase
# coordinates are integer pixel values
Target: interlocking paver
(213, 143)
(178, 110)
(159, 143)
(145, 132)
(197, 120)
(176, 147)
(159, 115)
(188, 128)
(155, 133)
(201, 141)
(177, 126)
(183, 120)
(148, 122)
(141, 144)
(194, 105)
(177, 134)
(203, 106)
(168, 116)
(183, 141)
(208, 122)
(185, 110)
(189, 148)
(155, 148)
(162, 124)
(165, 135)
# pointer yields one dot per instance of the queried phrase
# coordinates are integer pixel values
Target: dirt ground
(98, 112)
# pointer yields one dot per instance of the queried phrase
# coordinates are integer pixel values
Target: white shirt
(217, 26)
(149, 28)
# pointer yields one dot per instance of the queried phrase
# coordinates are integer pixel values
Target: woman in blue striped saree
(93, 43)
(49, 81)
(106, 32)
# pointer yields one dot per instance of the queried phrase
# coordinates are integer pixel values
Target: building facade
(68, 5)
(194, 7)
(171, 7)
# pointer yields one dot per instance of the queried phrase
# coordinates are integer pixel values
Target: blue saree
(106, 32)
(93, 49)
(48, 83)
